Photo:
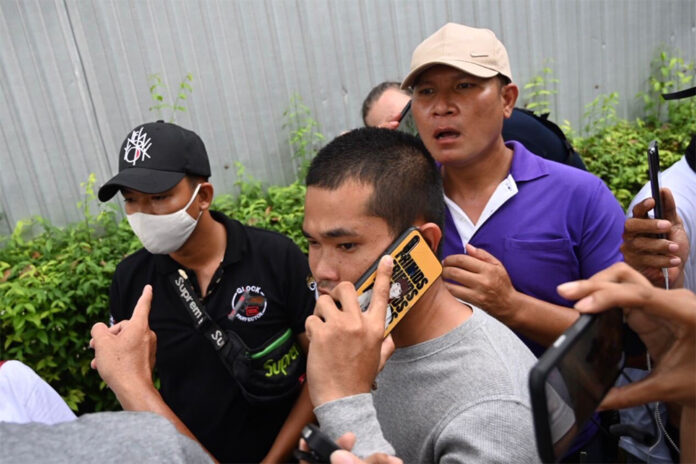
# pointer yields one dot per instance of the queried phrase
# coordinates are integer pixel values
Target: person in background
(383, 105)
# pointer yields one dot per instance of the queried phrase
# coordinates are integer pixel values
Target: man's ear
(432, 234)
(509, 94)
(205, 195)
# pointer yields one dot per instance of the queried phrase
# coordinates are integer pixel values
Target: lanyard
(227, 348)
(201, 321)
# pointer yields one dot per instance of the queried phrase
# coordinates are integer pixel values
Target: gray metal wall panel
(49, 141)
(74, 73)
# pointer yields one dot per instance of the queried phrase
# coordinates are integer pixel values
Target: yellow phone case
(415, 269)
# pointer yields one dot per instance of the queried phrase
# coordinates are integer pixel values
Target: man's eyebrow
(334, 233)
(428, 81)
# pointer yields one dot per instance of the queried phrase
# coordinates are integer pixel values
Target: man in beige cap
(517, 225)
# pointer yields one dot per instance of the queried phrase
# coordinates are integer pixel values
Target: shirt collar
(237, 245)
(525, 164)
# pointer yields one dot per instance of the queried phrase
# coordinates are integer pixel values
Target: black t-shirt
(194, 382)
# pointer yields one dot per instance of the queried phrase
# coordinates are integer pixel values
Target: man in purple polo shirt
(517, 225)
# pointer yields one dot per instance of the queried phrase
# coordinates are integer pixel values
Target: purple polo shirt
(562, 224)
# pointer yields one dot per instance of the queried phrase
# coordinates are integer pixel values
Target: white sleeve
(26, 397)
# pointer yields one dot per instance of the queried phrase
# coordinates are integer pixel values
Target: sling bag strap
(553, 127)
(686, 93)
(202, 321)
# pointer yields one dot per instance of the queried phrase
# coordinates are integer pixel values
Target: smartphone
(319, 444)
(415, 269)
(653, 171)
(406, 122)
(580, 367)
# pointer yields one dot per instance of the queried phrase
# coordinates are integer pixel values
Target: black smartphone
(406, 122)
(319, 444)
(415, 269)
(653, 172)
(581, 366)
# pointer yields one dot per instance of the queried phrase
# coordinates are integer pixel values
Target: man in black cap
(229, 301)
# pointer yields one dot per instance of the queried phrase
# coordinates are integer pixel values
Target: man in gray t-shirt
(102, 437)
(456, 388)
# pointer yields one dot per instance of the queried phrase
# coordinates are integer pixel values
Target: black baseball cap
(154, 157)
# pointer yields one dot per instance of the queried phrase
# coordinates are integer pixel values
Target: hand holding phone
(653, 172)
(415, 269)
(573, 376)
(319, 445)
(406, 122)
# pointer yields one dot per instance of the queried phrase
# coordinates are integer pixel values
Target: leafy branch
(157, 90)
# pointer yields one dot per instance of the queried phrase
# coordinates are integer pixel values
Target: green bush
(618, 153)
(304, 136)
(616, 150)
(536, 94)
(279, 208)
(55, 286)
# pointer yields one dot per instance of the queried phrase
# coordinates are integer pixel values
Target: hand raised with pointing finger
(345, 344)
(125, 359)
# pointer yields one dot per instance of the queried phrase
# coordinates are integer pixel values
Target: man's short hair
(377, 92)
(195, 180)
(407, 183)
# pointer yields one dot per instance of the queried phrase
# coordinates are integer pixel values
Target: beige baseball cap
(475, 51)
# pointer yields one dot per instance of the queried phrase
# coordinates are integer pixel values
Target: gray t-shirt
(102, 437)
(460, 398)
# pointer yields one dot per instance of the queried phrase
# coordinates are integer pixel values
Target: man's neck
(204, 250)
(472, 185)
(436, 313)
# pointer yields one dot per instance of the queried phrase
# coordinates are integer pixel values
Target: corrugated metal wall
(74, 73)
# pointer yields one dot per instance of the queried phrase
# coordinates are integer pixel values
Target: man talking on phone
(456, 387)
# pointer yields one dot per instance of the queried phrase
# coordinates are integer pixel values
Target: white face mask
(164, 233)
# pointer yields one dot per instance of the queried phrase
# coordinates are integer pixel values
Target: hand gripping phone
(319, 444)
(577, 370)
(415, 269)
(653, 171)
(406, 122)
